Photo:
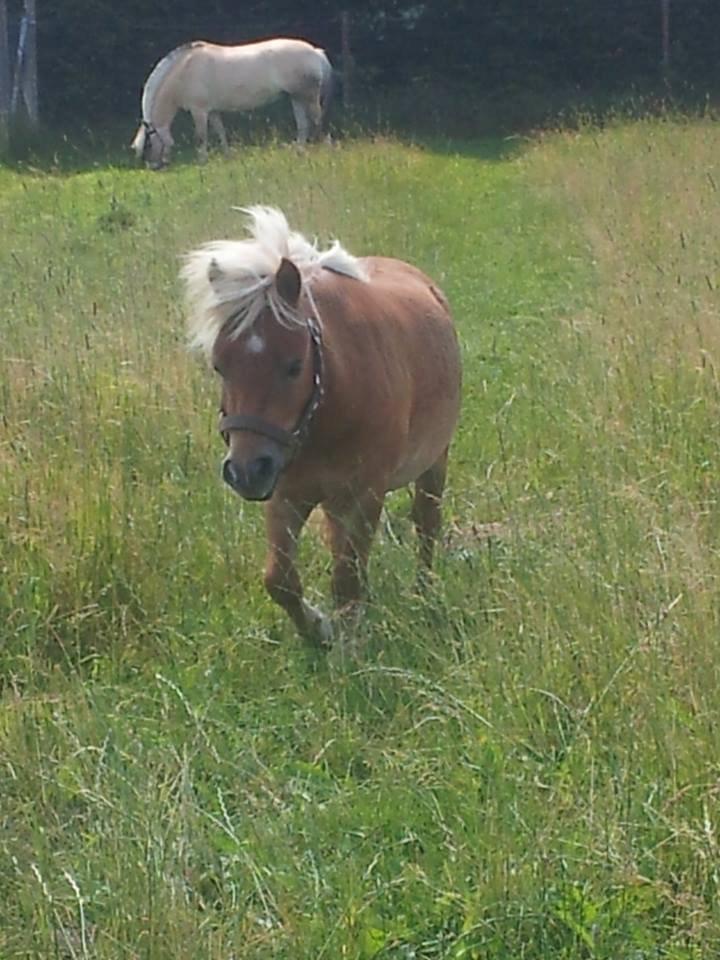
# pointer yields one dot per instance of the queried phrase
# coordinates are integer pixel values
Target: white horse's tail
(138, 144)
(327, 89)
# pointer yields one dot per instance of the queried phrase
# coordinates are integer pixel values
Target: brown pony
(340, 381)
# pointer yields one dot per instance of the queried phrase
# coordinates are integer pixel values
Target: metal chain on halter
(301, 430)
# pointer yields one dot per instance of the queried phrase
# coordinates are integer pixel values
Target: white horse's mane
(229, 283)
(158, 75)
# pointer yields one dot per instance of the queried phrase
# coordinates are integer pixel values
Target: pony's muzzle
(254, 480)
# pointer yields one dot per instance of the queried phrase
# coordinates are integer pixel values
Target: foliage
(94, 55)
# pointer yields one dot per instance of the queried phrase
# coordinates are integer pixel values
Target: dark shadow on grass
(491, 126)
(67, 154)
(494, 125)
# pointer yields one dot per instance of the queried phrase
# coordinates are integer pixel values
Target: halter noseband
(294, 438)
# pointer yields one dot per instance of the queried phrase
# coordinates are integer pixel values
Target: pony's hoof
(319, 629)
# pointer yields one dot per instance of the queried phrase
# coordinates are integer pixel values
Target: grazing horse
(207, 77)
(340, 381)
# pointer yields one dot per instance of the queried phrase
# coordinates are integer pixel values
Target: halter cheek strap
(293, 439)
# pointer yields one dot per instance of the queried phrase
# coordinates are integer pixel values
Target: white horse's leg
(218, 128)
(314, 112)
(301, 119)
(200, 119)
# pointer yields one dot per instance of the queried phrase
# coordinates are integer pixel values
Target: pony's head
(152, 145)
(268, 375)
(254, 317)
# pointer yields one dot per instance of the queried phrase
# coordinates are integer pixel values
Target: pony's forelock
(228, 283)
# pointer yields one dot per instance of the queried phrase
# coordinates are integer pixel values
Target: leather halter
(293, 439)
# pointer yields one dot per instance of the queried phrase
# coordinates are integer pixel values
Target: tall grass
(524, 762)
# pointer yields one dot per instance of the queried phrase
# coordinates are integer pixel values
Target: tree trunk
(347, 59)
(4, 78)
(665, 32)
(30, 89)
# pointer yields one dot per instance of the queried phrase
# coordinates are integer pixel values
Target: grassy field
(524, 763)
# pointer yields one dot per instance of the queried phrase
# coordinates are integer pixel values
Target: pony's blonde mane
(229, 283)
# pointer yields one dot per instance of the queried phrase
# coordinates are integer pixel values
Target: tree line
(94, 55)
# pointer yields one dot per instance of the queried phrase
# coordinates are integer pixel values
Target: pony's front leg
(200, 119)
(284, 520)
(351, 528)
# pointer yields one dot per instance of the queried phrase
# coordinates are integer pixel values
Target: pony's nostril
(230, 473)
(252, 480)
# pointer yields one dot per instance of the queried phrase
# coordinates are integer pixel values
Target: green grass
(524, 762)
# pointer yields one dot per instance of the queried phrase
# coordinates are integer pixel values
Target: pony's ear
(288, 282)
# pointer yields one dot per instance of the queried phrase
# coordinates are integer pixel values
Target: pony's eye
(293, 369)
(216, 368)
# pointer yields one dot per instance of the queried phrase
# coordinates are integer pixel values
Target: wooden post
(4, 78)
(347, 58)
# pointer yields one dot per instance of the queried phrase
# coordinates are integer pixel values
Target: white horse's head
(153, 145)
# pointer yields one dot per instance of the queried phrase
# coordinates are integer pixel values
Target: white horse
(207, 77)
